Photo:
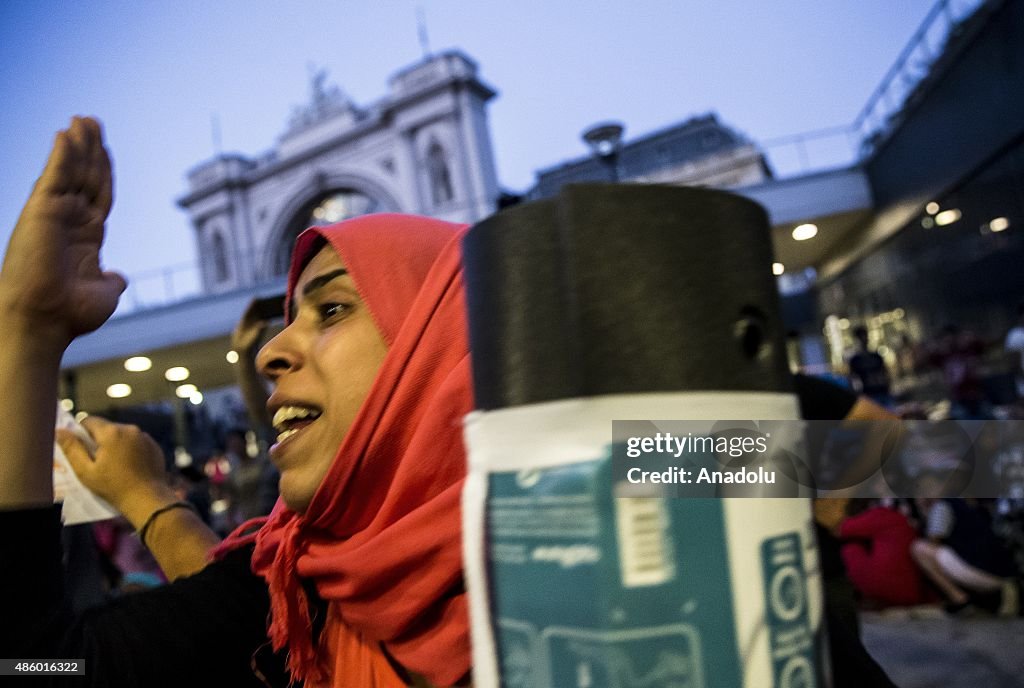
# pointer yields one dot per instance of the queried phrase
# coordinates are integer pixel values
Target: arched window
(333, 206)
(220, 257)
(440, 178)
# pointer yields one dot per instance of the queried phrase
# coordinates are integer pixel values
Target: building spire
(421, 30)
(317, 78)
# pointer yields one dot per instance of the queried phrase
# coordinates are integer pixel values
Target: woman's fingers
(126, 462)
(57, 173)
(74, 449)
(102, 430)
(104, 169)
(97, 169)
(79, 162)
(126, 445)
(79, 135)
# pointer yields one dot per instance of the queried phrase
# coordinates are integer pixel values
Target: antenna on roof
(421, 30)
(215, 133)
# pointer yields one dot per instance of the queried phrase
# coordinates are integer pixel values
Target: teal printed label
(791, 640)
(520, 649)
(591, 591)
(659, 656)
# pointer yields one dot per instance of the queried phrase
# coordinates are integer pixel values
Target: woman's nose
(279, 355)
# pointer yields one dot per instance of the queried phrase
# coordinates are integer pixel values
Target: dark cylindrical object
(611, 289)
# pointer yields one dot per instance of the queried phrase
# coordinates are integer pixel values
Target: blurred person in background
(256, 484)
(962, 556)
(957, 353)
(906, 357)
(246, 339)
(876, 550)
(132, 567)
(251, 485)
(868, 372)
(1014, 344)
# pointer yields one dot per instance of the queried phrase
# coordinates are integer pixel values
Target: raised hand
(51, 283)
(127, 468)
(249, 330)
(52, 289)
(244, 340)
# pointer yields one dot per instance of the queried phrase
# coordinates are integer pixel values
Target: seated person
(961, 554)
(876, 551)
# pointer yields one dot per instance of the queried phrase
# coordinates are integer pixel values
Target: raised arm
(52, 289)
(246, 340)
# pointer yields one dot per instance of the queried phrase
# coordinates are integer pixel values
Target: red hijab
(382, 535)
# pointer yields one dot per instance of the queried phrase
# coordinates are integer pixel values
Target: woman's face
(322, 366)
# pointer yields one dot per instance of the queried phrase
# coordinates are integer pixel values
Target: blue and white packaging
(571, 587)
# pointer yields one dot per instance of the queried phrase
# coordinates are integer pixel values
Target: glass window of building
(440, 177)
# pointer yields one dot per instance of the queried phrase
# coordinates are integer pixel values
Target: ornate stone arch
(363, 196)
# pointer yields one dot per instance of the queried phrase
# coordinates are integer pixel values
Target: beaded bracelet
(152, 517)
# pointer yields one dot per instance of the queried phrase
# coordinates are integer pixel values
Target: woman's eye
(333, 310)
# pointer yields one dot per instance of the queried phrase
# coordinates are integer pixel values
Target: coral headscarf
(382, 535)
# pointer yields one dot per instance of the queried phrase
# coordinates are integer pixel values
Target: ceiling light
(119, 391)
(232, 356)
(67, 405)
(805, 232)
(176, 374)
(182, 459)
(185, 391)
(999, 224)
(947, 217)
(778, 269)
(932, 208)
(137, 364)
(196, 398)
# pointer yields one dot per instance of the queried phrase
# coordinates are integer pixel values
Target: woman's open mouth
(291, 420)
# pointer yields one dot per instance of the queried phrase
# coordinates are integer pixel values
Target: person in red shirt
(876, 551)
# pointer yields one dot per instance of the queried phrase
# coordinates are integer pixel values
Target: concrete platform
(927, 649)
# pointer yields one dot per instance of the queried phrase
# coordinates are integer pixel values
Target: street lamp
(605, 142)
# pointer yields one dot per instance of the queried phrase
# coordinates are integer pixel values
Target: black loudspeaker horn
(609, 289)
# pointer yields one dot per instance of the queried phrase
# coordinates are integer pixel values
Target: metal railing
(158, 287)
(787, 156)
(811, 151)
(846, 145)
(881, 113)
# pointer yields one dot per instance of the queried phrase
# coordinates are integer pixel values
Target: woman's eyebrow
(320, 280)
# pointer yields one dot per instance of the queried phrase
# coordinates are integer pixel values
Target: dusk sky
(157, 73)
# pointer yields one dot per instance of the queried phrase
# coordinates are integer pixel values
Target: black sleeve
(198, 631)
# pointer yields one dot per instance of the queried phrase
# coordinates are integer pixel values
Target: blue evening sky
(156, 73)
